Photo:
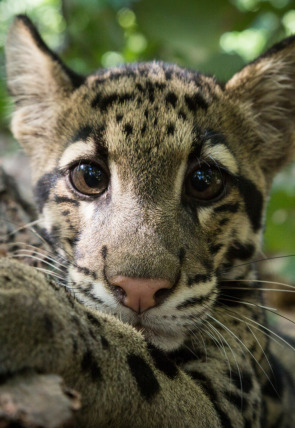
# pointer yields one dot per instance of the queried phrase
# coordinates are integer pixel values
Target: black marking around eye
(196, 101)
(147, 383)
(43, 187)
(240, 251)
(171, 99)
(253, 201)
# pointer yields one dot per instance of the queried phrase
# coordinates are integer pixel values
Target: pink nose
(139, 293)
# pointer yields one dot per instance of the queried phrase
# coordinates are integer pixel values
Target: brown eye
(205, 183)
(89, 179)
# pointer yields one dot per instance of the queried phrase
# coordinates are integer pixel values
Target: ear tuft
(265, 95)
(37, 80)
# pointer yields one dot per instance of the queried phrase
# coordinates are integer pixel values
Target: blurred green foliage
(216, 37)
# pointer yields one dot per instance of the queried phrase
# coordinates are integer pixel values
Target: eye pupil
(202, 179)
(92, 175)
(89, 179)
(205, 183)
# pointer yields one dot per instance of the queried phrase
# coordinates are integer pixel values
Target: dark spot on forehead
(195, 101)
(83, 133)
(170, 129)
(128, 128)
(139, 87)
(168, 74)
(143, 129)
(171, 98)
(119, 117)
(182, 115)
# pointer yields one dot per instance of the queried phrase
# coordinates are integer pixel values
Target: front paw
(33, 321)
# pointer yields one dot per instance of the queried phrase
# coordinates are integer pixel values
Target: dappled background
(213, 36)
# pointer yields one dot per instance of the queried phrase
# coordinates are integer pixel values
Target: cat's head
(151, 180)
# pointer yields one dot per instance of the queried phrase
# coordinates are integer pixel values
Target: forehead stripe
(104, 103)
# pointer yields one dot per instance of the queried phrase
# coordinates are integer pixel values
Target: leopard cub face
(150, 180)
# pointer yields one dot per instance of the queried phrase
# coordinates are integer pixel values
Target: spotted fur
(149, 123)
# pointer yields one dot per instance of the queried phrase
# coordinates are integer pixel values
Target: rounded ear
(37, 80)
(265, 95)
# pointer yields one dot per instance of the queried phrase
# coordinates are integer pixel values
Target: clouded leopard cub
(151, 183)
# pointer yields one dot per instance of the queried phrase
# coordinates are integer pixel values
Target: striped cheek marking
(76, 151)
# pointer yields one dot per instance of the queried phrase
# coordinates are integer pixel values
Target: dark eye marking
(240, 251)
(43, 187)
(253, 200)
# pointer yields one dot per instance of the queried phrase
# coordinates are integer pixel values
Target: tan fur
(148, 126)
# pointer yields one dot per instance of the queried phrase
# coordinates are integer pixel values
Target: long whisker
(256, 261)
(260, 326)
(14, 255)
(38, 253)
(271, 310)
(25, 226)
(258, 280)
(247, 349)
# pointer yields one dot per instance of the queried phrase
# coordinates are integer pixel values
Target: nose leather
(139, 292)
